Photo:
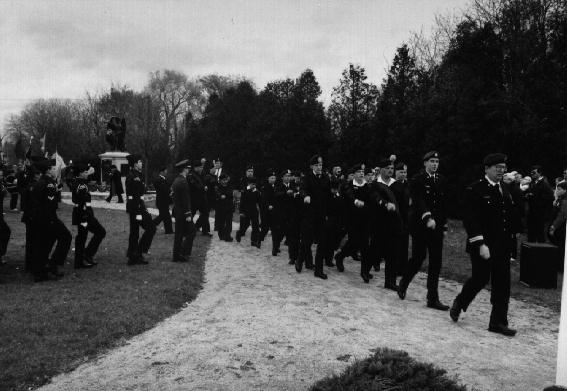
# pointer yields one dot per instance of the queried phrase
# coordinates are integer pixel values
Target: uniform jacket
(428, 200)
(319, 190)
(135, 190)
(44, 201)
(353, 192)
(162, 193)
(181, 198)
(268, 196)
(116, 181)
(81, 197)
(402, 193)
(226, 204)
(285, 200)
(385, 221)
(489, 216)
(540, 199)
(198, 188)
(26, 201)
(250, 202)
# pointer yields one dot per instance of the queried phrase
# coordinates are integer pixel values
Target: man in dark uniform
(540, 206)
(115, 180)
(5, 231)
(427, 228)
(224, 208)
(199, 197)
(489, 219)
(315, 191)
(137, 212)
(84, 219)
(268, 218)
(31, 178)
(333, 230)
(47, 228)
(163, 199)
(400, 188)
(184, 228)
(249, 207)
(285, 200)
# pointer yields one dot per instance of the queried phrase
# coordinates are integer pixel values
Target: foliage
(389, 370)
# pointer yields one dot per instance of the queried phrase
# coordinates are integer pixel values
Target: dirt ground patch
(258, 325)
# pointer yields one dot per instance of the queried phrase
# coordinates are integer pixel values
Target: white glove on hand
(391, 206)
(307, 200)
(358, 203)
(84, 224)
(484, 252)
(431, 224)
(139, 217)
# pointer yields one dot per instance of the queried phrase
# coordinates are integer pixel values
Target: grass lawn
(52, 327)
(457, 266)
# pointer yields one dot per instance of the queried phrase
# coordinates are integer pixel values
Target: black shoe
(392, 287)
(210, 235)
(339, 260)
(107, 199)
(455, 311)
(238, 236)
(402, 288)
(291, 262)
(298, 266)
(121, 201)
(329, 264)
(370, 275)
(257, 244)
(229, 239)
(275, 253)
(365, 277)
(53, 270)
(310, 266)
(377, 267)
(437, 305)
(83, 265)
(502, 329)
(89, 260)
(180, 258)
(321, 275)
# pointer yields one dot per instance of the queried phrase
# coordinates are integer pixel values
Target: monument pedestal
(117, 159)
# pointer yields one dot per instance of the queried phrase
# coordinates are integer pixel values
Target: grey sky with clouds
(61, 49)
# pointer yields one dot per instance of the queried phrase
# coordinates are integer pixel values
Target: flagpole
(561, 373)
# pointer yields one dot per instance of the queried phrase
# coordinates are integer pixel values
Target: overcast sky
(61, 49)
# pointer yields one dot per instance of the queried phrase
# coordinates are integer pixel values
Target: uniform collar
(491, 183)
(354, 183)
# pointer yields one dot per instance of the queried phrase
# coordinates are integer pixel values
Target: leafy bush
(389, 370)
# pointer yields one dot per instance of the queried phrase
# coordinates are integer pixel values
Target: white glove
(307, 200)
(270, 207)
(484, 252)
(391, 206)
(431, 224)
(139, 217)
(84, 224)
(358, 203)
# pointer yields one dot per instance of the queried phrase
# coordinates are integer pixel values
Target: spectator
(539, 196)
(557, 228)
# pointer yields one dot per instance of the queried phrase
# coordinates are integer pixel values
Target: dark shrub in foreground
(389, 370)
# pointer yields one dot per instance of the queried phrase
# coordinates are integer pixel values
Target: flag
(19, 149)
(42, 140)
(59, 165)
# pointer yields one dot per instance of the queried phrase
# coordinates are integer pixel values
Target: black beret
(80, 167)
(223, 176)
(286, 172)
(182, 164)
(197, 163)
(296, 173)
(315, 159)
(270, 173)
(384, 162)
(494, 158)
(249, 167)
(430, 155)
(133, 158)
(368, 170)
(357, 167)
(400, 166)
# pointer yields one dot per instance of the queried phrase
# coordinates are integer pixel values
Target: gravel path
(258, 325)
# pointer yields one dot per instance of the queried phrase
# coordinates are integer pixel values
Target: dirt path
(258, 325)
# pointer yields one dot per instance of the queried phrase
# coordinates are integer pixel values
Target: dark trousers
(386, 244)
(61, 237)
(137, 248)
(267, 222)
(5, 233)
(183, 240)
(245, 221)
(425, 241)
(112, 193)
(402, 253)
(14, 200)
(164, 216)
(203, 220)
(497, 269)
(28, 254)
(311, 231)
(536, 228)
(98, 232)
(332, 235)
(40, 246)
(290, 230)
(358, 239)
(223, 219)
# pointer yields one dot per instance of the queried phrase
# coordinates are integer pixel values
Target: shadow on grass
(389, 370)
(52, 327)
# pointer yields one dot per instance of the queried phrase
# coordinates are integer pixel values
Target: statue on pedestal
(116, 133)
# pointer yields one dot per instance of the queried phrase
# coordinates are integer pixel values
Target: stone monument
(115, 136)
